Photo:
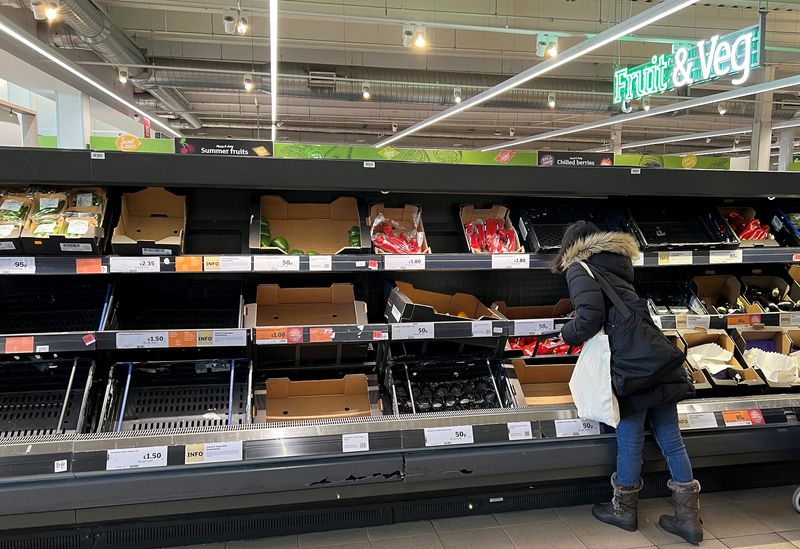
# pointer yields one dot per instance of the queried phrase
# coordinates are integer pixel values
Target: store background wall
(10, 132)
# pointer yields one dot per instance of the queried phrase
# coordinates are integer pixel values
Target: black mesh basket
(671, 228)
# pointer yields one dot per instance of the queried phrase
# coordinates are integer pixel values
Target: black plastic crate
(681, 227)
(146, 396)
(45, 397)
(668, 297)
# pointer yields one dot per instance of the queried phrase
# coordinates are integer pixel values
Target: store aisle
(750, 519)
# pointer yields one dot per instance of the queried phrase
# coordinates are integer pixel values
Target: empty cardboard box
(544, 385)
(776, 340)
(469, 213)
(408, 304)
(152, 222)
(714, 290)
(766, 283)
(697, 337)
(317, 399)
(699, 379)
(559, 310)
(276, 306)
(405, 216)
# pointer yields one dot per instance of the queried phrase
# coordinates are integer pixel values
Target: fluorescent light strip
(664, 109)
(689, 137)
(64, 64)
(273, 66)
(793, 123)
(665, 9)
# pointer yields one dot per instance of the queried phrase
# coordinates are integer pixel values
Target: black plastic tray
(670, 228)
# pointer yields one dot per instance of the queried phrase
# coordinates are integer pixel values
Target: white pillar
(30, 129)
(616, 139)
(786, 150)
(74, 122)
(761, 139)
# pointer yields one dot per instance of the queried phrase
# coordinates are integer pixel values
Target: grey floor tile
(775, 512)
(776, 492)
(731, 521)
(793, 537)
(416, 542)
(553, 535)
(530, 516)
(596, 535)
(759, 541)
(705, 544)
(280, 542)
(400, 530)
(648, 525)
(350, 537)
(472, 522)
(496, 538)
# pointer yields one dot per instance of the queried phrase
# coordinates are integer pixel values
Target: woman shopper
(609, 256)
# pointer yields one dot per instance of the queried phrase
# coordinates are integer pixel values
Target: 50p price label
(576, 427)
(136, 458)
(448, 436)
(413, 330)
(18, 265)
(533, 327)
(276, 263)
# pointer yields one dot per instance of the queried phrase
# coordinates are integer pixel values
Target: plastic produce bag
(777, 368)
(393, 238)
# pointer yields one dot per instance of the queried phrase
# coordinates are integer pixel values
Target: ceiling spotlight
(546, 44)
(419, 38)
(365, 91)
(457, 95)
(736, 140)
(552, 51)
(51, 11)
(646, 103)
(722, 108)
(279, 123)
(123, 75)
(394, 127)
(511, 131)
(551, 100)
(414, 35)
(230, 24)
(241, 25)
(248, 84)
(38, 8)
(708, 140)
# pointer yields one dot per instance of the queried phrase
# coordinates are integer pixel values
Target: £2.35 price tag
(448, 436)
(511, 261)
(413, 330)
(533, 327)
(276, 263)
(404, 262)
(136, 458)
(17, 265)
(134, 265)
(576, 427)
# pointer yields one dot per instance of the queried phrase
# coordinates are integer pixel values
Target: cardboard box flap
(352, 384)
(559, 310)
(469, 213)
(151, 215)
(444, 303)
(341, 209)
(711, 287)
(542, 373)
(273, 294)
(405, 215)
(783, 344)
(278, 306)
(329, 398)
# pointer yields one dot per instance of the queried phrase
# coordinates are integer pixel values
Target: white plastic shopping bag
(590, 384)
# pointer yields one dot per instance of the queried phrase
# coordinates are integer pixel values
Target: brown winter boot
(621, 511)
(686, 523)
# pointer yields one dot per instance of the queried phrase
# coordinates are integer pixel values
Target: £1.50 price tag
(136, 458)
(413, 330)
(511, 261)
(142, 340)
(448, 436)
(404, 262)
(576, 427)
(533, 327)
(17, 265)
(276, 263)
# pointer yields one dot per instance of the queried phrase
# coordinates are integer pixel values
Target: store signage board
(736, 53)
(223, 147)
(575, 159)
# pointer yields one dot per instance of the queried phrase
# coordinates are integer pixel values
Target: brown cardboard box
(715, 289)
(469, 213)
(544, 385)
(404, 216)
(276, 306)
(323, 228)
(700, 336)
(152, 222)
(766, 283)
(559, 310)
(698, 378)
(408, 304)
(317, 399)
(748, 214)
(784, 341)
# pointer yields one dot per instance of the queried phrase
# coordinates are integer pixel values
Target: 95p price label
(136, 458)
(413, 330)
(18, 265)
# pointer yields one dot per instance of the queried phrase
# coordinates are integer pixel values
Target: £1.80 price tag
(413, 330)
(576, 427)
(448, 436)
(533, 327)
(404, 262)
(142, 340)
(136, 458)
(18, 265)
(510, 261)
(276, 263)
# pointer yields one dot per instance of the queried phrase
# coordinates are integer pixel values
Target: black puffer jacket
(612, 255)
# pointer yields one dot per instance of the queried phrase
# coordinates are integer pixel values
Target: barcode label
(355, 442)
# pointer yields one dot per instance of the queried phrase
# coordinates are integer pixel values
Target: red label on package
(380, 335)
(88, 339)
(320, 335)
(505, 156)
(796, 257)
(372, 264)
(757, 417)
(19, 344)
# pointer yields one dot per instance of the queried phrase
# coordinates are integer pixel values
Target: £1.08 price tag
(413, 330)
(404, 262)
(136, 458)
(511, 261)
(533, 327)
(276, 263)
(142, 340)
(576, 427)
(17, 265)
(448, 436)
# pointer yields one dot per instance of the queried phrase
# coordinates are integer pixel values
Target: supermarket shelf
(46, 265)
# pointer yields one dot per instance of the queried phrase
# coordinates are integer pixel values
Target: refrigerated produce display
(270, 367)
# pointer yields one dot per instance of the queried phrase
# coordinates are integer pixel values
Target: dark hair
(575, 232)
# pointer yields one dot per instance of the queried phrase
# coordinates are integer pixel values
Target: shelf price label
(227, 263)
(143, 340)
(134, 264)
(222, 338)
(639, 261)
(520, 430)
(675, 258)
(741, 418)
(683, 322)
(22, 344)
(511, 261)
(576, 428)
(355, 442)
(413, 330)
(320, 263)
(533, 327)
(449, 436)
(213, 452)
(90, 265)
(790, 319)
(723, 257)
(743, 320)
(276, 263)
(136, 458)
(404, 262)
(279, 335)
(698, 420)
(182, 338)
(482, 328)
(17, 265)
(189, 264)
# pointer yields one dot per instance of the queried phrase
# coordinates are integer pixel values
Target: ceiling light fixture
(664, 109)
(419, 37)
(273, 65)
(51, 11)
(551, 100)
(19, 35)
(626, 107)
(646, 103)
(241, 25)
(123, 75)
(546, 44)
(248, 84)
(511, 131)
(688, 137)
(457, 95)
(229, 22)
(638, 21)
(722, 108)
(38, 7)
(365, 91)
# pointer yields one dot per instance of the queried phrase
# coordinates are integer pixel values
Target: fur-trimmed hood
(616, 243)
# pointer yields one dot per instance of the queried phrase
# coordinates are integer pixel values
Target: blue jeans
(630, 444)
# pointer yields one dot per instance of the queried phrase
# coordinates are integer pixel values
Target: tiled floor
(750, 519)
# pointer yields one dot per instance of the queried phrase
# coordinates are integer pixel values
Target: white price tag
(699, 420)
(511, 261)
(533, 327)
(320, 263)
(639, 261)
(48, 203)
(84, 199)
(134, 265)
(136, 458)
(404, 262)
(43, 348)
(60, 466)
(75, 247)
(142, 340)
(675, 258)
(17, 265)
(395, 312)
(576, 427)
(657, 322)
(412, 330)
(213, 452)
(448, 436)
(791, 319)
(7, 246)
(720, 257)
(156, 251)
(222, 338)
(276, 263)
(355, 442)
(520, 430)
(98, 155)
(698, 321)
(482, 328)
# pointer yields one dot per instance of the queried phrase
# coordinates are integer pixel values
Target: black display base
(255, 523)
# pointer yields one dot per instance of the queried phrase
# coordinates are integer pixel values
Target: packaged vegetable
(48, 206)
(87, 198)
(391, 237)
(490, 236)
(47, 227)
(14, 209)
